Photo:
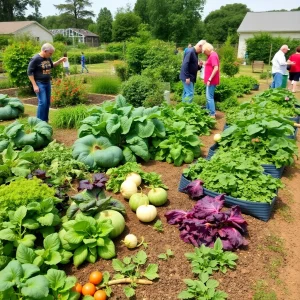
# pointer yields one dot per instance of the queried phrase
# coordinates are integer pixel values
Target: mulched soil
(256, 262)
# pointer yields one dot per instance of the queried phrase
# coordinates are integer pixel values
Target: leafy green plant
(207, 260)
(69, 117)
(89, 238)
(130, 271)
(265, 75)
(181, 144)
(235, 174)
(10, 108)
(165, 256)
(119, 174)
(125, 126)
(138, 88)
(204, 288)
(68, 91)
(6, 84)
(122, 70)
(158, 226)
(231, 102)
(105, 85)
(22, 192)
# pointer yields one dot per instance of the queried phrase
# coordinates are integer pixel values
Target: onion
(130, 241)
(128, 188)
(217, 137)
(135, 177)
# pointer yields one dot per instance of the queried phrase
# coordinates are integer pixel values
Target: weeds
(263, 292)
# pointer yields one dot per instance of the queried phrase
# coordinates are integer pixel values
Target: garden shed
(39, 32)
(283, 24)
(79, 36)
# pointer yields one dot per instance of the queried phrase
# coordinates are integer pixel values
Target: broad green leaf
(253, 129)
(11, 274)
(193, 140)
(159, 130)
(19, 215)
(31, 224)
(73, 237)
(118, 265)
(53, 258)
(125, 124)
(108, 251)
(128, 155)
(29, 270)
(28, 240)
(36, 287)
(138, 147)
(69, 282)
(113, 124)
(186, 295)
(140, 258)
(129, 291)
(218, 245)
(8, 235)
(65, 256)
(151, 272)
(80, 255)
(52, 242)
(144, 129)
(20, 171)
(25, 255)
(56, 279)
(46, 220)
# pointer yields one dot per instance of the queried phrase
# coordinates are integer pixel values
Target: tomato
(88, 289)
(95, 277)
(100, 295)
(77, 287)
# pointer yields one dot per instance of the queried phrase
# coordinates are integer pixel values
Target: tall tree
(11, 10)
(225, 21)
(76, 10)
(141, 9)
(125, 25)
(104, 25)
(36, 15)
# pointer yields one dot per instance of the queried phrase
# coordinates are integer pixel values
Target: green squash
(97, 152)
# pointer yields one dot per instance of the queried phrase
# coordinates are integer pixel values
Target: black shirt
(40, 68)
(189, 66)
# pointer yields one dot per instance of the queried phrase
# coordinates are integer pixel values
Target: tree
(104, 25)
(11, 10)
(141, 9)
(125, 25)
(75, 9)
(225, 21)
(36, 16)
(295, 9)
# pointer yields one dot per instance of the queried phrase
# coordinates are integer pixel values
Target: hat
(285, 47)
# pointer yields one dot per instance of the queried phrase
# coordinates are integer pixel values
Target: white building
(283, 24)
(39, 32)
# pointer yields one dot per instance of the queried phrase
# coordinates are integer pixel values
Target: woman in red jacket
(294, 76)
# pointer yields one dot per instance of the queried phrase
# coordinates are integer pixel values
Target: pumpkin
(146, 213)
(97, 152)
(137, 200)
(117, 221)
(158, 196)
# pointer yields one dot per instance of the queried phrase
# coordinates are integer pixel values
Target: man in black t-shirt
(39, 73)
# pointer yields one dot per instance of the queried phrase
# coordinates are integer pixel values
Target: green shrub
(200, 100)
(95, 57)
(122, 70)
(106, 85)
(69, 117)
(116, 48)
(135, 54)
(243, 84)
(23, 191)
(74, 69)
(229, 65)
(265, 75)
(200, 87)
(138, 88)
(227, 104)
(224, 90)
(6, 84)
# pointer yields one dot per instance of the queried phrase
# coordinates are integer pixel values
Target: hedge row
(93, 57)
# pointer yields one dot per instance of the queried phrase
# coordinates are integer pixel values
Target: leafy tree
(141, 9)
(55, 22)
(36, 16)
(125, 25)
(76, 10)
(295, 9)
(225, 21)
(229, 65)
(12, 10)
(104, 25)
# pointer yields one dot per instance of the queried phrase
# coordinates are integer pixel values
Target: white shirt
(279, 63)
(66, 63)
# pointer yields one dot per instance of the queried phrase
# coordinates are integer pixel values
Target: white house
(279, 23)
(39, 32)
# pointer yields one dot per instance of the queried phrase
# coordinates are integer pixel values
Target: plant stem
(128, 280)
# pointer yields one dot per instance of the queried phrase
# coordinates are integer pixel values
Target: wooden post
(268, 71)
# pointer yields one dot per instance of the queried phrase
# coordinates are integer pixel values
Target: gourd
(97, 152)
(128, 188)
(158, 196)
(146, 213)
(137, 200)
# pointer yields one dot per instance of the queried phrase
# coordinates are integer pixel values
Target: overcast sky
(47, 7)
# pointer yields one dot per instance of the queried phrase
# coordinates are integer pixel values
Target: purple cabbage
(194, 189)
(99, 181)
(206, 222)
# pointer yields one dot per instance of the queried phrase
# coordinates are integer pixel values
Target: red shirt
(212, 61)
(296, 67)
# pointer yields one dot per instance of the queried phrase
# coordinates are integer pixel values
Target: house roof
(14, 27)
(279, 21)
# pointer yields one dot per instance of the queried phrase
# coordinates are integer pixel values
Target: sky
(47, 7)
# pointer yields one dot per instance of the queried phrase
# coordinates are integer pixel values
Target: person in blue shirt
(83, 66)
(189, 69)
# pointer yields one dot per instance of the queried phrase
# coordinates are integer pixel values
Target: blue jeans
(188, 92)
(84, 67)
(277, 80)
(44, 96)
(210, 102)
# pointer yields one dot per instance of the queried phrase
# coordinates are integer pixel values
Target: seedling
(158, 226)
(165, 256)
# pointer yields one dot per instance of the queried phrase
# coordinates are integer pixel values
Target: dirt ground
(269, 263)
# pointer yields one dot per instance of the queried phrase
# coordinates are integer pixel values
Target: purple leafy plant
(99, 181)
(206, 222)
(194, 189)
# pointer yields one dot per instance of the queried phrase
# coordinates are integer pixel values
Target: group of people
(280, 65)
(189, 69)
(39, 73)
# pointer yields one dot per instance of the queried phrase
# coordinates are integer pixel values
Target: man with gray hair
(39, 73)
(279, 66)
(189, 69)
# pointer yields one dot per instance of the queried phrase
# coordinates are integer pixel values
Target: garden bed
(93, 99)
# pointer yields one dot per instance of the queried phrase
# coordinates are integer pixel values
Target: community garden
(137, 196)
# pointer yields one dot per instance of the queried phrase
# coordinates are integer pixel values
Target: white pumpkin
(128, 188)
(146, 213)
(135, 177)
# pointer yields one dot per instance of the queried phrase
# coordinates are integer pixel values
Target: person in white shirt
(279, 65)
(66, 65)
